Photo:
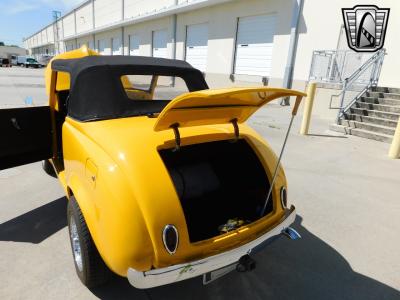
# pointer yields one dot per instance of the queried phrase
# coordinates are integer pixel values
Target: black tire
(48, 168)
(93, 271)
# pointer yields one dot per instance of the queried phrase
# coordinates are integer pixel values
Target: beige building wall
(50, 34)
(60, 29)
(6, 51)
(84, 41)
(84, 18)
(222, 21)
(69, 45)
(134, 8)
(107, 37)
(69, 25)
(145, 32)
(319, 29)
(107, 12)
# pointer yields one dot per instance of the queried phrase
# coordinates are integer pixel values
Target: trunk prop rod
(294, 112)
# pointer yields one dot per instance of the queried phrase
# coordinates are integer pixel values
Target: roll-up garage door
(102, 46)
(160, 43)
(116, 46)
(134, 44)
(197, 46)
(254, 45)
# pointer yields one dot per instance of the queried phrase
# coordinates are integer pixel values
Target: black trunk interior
(215, 182)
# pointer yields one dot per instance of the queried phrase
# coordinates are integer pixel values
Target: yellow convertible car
(158, 190)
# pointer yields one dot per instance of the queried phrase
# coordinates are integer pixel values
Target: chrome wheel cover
(76, 245)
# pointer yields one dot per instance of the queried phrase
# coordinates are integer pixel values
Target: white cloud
(19, 6)
(67, 4)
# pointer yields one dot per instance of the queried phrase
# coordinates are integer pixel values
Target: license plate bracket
(214, 275)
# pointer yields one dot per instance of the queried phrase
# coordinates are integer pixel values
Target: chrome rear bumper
(163, 276)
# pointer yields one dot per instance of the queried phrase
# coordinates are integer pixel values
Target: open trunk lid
(219, 106)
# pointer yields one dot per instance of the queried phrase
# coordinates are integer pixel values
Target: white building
(7, 51)
(232, 41)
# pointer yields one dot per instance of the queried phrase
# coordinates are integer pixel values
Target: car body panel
(129, 204)
(123, 187)
(63, 82)
(26, 135)
(218, 106)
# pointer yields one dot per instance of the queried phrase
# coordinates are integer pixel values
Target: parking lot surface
(345, 189)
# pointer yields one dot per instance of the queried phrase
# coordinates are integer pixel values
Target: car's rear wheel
(89, 265)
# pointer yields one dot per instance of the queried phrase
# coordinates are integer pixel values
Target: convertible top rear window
(98, 93)
(155, 88)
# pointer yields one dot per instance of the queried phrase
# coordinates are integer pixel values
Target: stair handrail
(356, 74)
(377, 61)
(364, 66)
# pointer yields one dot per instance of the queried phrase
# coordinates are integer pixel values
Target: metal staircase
(365, 109)
(374, 115)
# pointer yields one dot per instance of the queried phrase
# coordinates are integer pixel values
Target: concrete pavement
(345, 189)
(18, 85)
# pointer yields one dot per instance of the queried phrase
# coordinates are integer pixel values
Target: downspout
(76, 31)
(123, 40)
(294, 36)
(122, 28)
(93, 16)
(63, 35)
(174, 30)
(93, 27)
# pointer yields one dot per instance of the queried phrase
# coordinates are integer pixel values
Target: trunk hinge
(235, 128)
(175, 128)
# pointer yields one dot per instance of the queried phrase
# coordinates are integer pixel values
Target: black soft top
(96, 90)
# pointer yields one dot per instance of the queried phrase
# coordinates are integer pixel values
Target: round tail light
(284, 197)
(170, 238)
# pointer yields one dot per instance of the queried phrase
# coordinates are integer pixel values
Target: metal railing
(354, 86)
(334, 66)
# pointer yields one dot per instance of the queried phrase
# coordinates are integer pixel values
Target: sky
(21, 18)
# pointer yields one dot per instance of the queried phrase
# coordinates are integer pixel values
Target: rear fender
(115, 222)
(82, 197)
